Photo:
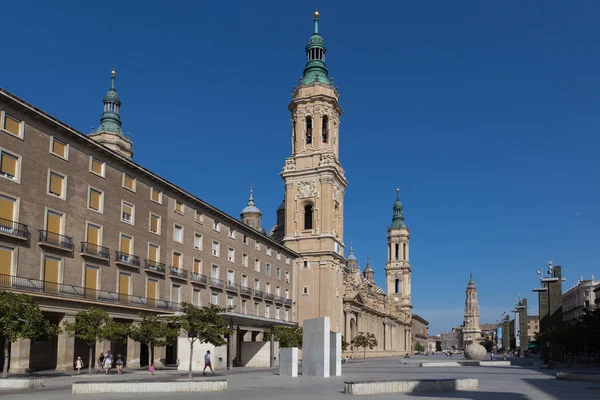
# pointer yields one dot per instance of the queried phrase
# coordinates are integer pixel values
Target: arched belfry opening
(308, 130)
(308, 216)
(397, 286)
(325, 129)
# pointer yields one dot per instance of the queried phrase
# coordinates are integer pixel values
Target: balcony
(94, 251)
(14, 229)
(258, 294)
(56, 241)
(127, 260)
(214, 282)
(199, 278)
(245, 291)
(232, 287)
(279, 299)
(178, 273)
(269, 296)
(78, 293)
(288, 302)
(155, 267)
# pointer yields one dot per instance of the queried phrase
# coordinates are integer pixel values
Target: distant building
(434, 343)
(419, 331)
(579, 298)
(452, 340)
(533, 326)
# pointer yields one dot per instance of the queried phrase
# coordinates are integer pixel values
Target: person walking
(207, 363)
(151, 369)
(79, 365)
(101, 362)
(108, 360)
(119, 363)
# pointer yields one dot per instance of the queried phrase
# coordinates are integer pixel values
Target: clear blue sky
(486, 115)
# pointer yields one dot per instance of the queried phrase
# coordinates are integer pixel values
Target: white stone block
(288, 361)
(257, 354)
(362, 388)
(21, 383)
(315, 347)
(335, 354)
(219, 385)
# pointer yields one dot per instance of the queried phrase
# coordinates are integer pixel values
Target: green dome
(398, 219)
(315, 69)
(112, 96)
(111, 120)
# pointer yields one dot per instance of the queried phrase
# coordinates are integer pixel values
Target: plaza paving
(506, 383)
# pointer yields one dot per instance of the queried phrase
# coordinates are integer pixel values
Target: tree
(419, 347)
(287, 336)
(202, 324)
(94, 325)
(364, 340)
(152, 332)
(21, 318)
(344, 344)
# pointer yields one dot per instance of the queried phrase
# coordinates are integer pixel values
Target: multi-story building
(82, 224)
(533, 326)
(419, 332)
(579, 298)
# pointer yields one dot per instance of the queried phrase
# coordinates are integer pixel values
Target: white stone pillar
(335, 354)
(19, 356)
(288, 361)
(315, 347)
(65, 349)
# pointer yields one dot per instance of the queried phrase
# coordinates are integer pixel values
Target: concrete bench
(21, 383)
(465, 364)
(569, 376)
(213, 385)
(361, 388)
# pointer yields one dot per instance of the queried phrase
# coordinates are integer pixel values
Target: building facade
(533, 327)
(579, 298)
(419, 332)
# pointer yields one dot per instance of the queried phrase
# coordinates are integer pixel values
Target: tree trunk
(6, 347)
(364, 352)
(91, 360)
(150, 354)
(191, 357)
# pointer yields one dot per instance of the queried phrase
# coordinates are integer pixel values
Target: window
(197, 267)
(12, 125)
(94, 235)
(256, 284)
(231, 233)
(9, 166)
(287, 293)
(54, 225)
(305, 265)
(156, 196)
(308, 216)
(257, 265)
(8, 212)
(155, 223)
(151, 291)
(287, 315)
(57, 184)
(6, 263)
(244, 307)
(277, 311)
(197, 241)
(230, 255)
(178, 233)
(96, 200)
(52, 267)
(257, 309)
(126, 245)
(267, 311)
(127, 212)
(256, 246)
(177, 259)
(214, 298)
(124, 284)
(230, 276)
(287, 277)
(245, 280)
(268, 251)
(196, 297)
(97, 167)
(129, 182)
(217, 226)
(215, 248)
(397, 286)
(198, 217)
(278, 273)
(179, 207)
(268, 269)
(214, 272)
(244, 260)
(325, 129)
(287, 260)
(305, 290)
(308, 130)
(229, 301)
(277, 291)
(245, 239)
(59, 148)
(268, 287)
(278, 256)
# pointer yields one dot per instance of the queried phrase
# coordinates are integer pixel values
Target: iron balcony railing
(232, 287)
(95, 250)
(196, 277)
(128, 259)
(155, 266)
(14, 228)
(62, 290)
(246, 290)
(178, 272)
(269, 296)
(288, 302)
(258, 293)
(216, 283)
(280, 299)
(54, 239)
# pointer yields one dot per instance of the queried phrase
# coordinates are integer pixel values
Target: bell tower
(314, 189)
(397, 269)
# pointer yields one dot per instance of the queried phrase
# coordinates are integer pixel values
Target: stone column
(65, 352)
(347, 332)
(132, 359)
(19, 356)
(159, 355)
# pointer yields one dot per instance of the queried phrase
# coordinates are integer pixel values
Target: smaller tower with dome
(368, 273)
(109, 133)
(352, 260)
(251, 215)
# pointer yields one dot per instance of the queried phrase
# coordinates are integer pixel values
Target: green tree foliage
(287, 336)
(152, 332)
(577, 338)
(204, 325)
(344, 344)
(21, 318)
(94, 325)
(364, 340)
(419, 347)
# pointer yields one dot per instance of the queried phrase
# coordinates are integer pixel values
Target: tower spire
(315, 69)
(398, 219)
(316, 31)
(251, 199)
(113, 74)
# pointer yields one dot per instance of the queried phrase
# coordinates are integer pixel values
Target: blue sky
(484, 114)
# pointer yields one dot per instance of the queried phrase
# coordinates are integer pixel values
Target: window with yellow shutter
(53, 222)
(97, 166)
(197, 266)
(59, 148)
(8, 165)
(178, 207)
(198, 217)
(91, 282)
(6, 261)
(156, 196)
(126, 244)
(129, 182)
(154, 253)
(56, 185)
(154, 223)
(127, 213)
(95, 200)
(12, 125)
(51, 274)
(176, 260)
(93, 234)
(7, 211)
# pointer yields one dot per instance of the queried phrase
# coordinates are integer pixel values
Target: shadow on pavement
(474, 395)
(585, 390)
